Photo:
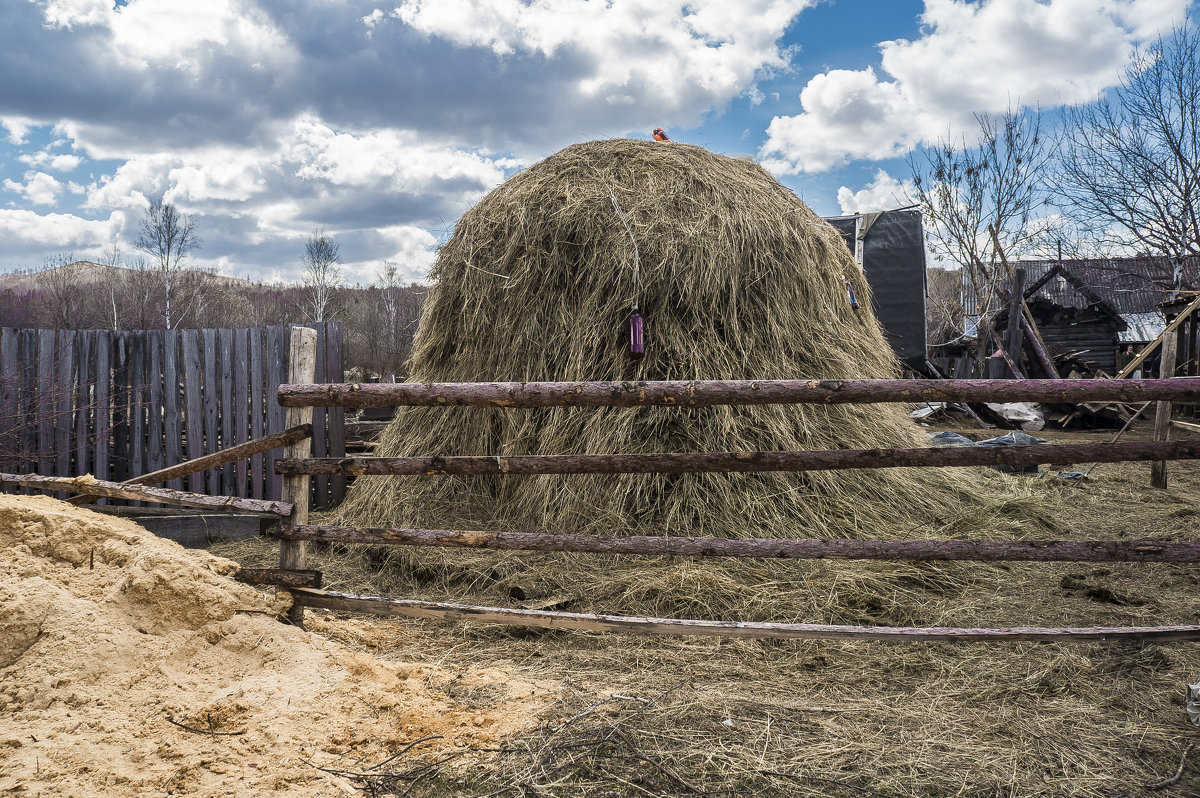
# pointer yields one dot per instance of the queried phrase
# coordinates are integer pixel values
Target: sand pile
(106, 632)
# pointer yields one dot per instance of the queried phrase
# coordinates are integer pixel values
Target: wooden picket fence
(120, 404)
(300, 399)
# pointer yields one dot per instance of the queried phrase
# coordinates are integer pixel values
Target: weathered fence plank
(277, 343)
(155, 457)
(241, 409)
(137, 405)
(193, 411)
(336, 426)
(45, 405)
(225, 411)
(708, 462)
(84, 347)
(256, 409)
(320, 485)
(120, 406)
(546, 619)
(768, 548)
(172, 418)
(146, 493)
(732, 392)
(209, 396)
(10, 406)
(102, 415)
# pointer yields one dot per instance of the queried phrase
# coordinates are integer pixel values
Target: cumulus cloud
(971, 57)
(39, 188)
(28, 234)
(59, 162)
(883, 193)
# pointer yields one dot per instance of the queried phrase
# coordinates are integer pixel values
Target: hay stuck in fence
(736, 279)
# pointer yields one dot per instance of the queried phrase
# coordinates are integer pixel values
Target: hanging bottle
(637, 342)
(850, 292)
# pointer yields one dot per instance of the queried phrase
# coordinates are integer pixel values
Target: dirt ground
(649, 715)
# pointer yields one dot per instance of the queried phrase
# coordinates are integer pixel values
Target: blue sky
(381, 122)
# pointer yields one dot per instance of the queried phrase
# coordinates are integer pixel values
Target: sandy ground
(110, 636)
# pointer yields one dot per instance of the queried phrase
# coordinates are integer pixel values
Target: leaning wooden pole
(302, 367)
(705, 393)
(548, 619)
(117, 490)
(230, 455)
(767, 548)
(720, 462)
(1162, 417)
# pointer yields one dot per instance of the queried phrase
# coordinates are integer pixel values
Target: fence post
(302, 366)
(1162, 417)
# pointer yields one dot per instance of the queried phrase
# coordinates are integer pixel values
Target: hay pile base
(108, 633)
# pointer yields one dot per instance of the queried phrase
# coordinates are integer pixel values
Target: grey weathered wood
(155, 457)
(217, 459)
(137, 405)
(212, 391)
(64, 401)
(278, 577)
(147, 493)
(1149, 348)
(120, 406)
(193, 411)
(27, 348)
(45, 402)
(549, 619)
(172, 417)
(102, 414)
(241, 405)
(10, 405)
(85, 378)
(732, 392)
(1162, 417)
(277, 343)
(225, 410)
(320, 484)
(257, 409)
(770, 548)
(335, 416)
(302, 362)
(707, 462)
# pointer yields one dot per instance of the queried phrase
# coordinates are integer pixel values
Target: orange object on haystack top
(660, 134)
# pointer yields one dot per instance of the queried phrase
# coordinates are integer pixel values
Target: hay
(737, 279)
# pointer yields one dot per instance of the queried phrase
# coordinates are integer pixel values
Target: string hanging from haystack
(637, 340)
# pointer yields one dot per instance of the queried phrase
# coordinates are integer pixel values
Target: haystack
(736, 279)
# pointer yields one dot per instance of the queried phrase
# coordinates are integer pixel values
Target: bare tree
(322, 273)
(64, 297)
(1130, 168)
(114, 276)
(168, 237)
(964, 188)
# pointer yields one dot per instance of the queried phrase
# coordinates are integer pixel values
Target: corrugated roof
(1143, 327)
(1127, 285)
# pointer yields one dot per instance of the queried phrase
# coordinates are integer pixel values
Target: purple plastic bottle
(637, 341)
(850, 291)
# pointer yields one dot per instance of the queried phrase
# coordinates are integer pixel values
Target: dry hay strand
(736, 277)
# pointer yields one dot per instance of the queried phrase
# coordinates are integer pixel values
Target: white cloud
(17, 127)
(883, 193)
(59, 162)
(636, 51)
(972, 57)
(39, 188)
(28, 232)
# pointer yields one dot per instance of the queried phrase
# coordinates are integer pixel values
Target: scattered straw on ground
(834, 718)
(130, 666)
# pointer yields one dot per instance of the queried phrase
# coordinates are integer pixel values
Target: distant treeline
(378, 322)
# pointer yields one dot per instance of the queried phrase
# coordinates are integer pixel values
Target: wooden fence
(301, 398)
(120, 404)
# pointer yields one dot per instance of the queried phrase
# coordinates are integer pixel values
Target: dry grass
(835, 718)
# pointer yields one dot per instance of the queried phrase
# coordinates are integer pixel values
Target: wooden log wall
(119, 404)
